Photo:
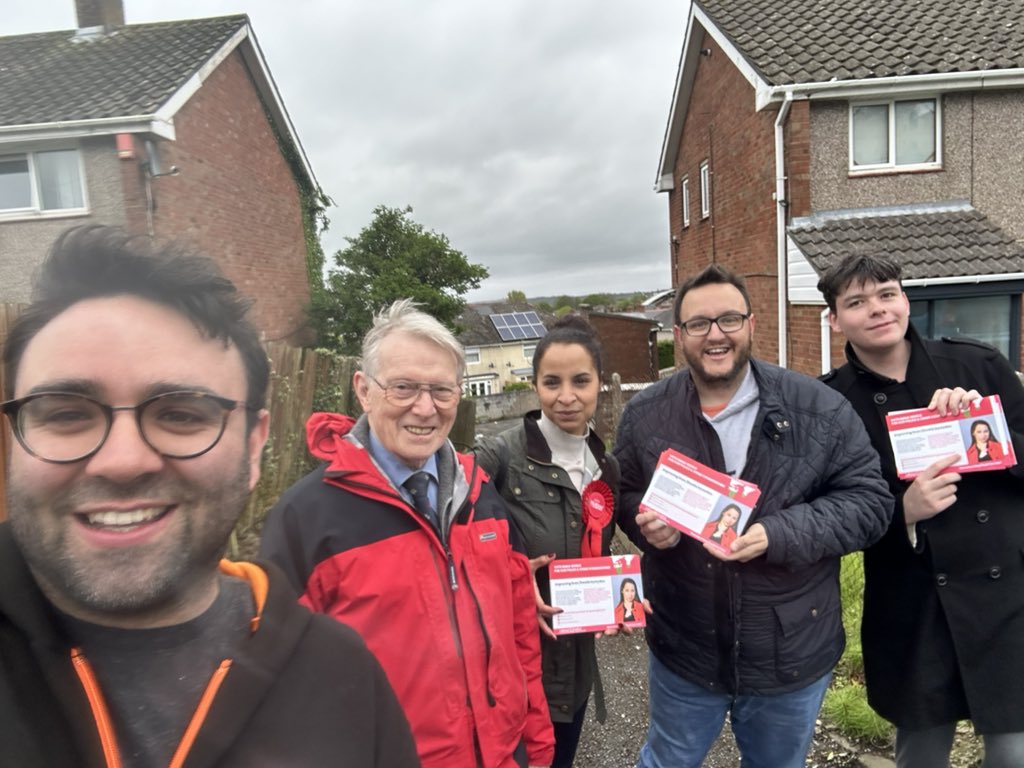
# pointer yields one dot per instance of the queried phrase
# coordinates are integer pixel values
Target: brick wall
(628, 346)
(235, 198)
(722, 128)
(739, 144)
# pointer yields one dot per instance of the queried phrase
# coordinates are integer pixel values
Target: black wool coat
(943, 629)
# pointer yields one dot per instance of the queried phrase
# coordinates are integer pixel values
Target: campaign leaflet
(701, 502)
(978, 435)
(596, 593)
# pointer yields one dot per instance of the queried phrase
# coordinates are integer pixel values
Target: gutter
(887, 86)
(781, 204)
(65, 129)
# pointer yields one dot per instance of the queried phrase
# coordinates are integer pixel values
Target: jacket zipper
(101, 714)
(487, 639)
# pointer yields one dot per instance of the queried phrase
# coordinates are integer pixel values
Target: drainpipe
(780, 224)
(826, 342)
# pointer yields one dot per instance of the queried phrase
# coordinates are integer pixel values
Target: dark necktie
(417, 484)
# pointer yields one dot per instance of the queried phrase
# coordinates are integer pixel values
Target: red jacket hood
(325, 433)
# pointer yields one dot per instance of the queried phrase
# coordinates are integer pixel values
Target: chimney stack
(100, 13)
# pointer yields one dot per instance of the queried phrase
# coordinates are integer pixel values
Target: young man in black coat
(943, 630)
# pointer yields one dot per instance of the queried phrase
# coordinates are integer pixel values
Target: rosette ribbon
(598, 504)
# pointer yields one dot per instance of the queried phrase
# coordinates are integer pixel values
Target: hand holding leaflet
(699, 501)
(595, 594)
(977, 435)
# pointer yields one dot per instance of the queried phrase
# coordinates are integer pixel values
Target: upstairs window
(705, 190)
(41, 181)
(684, 191)
(902, 135)
(472, 355)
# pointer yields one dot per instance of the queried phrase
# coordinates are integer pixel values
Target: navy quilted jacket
(773, 624)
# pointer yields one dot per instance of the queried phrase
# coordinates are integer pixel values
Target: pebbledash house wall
(235, 198)
(24, 242)
(982, 162)
(739, 144)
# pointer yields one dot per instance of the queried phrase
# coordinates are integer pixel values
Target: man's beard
(715, 380)
(127, 581)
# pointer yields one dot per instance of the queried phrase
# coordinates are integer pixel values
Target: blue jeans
(771, 731)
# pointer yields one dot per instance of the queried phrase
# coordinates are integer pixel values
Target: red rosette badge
(598, 503)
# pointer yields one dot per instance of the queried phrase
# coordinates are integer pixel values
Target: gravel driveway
(623, 662)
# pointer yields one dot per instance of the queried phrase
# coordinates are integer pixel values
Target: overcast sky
(527, 131)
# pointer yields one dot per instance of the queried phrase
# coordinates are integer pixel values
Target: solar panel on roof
(512, 326)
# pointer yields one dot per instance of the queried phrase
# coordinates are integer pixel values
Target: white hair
(404, 316)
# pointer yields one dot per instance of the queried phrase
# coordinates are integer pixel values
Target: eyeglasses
(408, 392)
(62, 428)
(701, 326)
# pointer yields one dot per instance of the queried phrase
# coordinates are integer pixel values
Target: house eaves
(697, 25)
(107, 100)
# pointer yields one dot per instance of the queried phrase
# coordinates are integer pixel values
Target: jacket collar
(342, 442)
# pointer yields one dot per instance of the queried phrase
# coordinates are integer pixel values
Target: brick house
(172, 129)
(629, 344)
(803, 131)
(499, 339)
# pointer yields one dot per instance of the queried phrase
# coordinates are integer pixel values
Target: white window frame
(34, 208)
(684, 190)
(478, 388)
(705, 190)
(528, 349)
(472, 355)
(891, 164)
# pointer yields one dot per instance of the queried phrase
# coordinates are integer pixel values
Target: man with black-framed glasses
(134, 386)
(753, 633)
(404, 539)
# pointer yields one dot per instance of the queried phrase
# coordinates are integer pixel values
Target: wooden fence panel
(7, 314)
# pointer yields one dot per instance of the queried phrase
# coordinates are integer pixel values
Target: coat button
(574, 525)
(995, 572)
(982, 516)
(551, 494)
(564, 708)
(554, 475)
(880, 398)
(530, 466)
(942, 580)
(814, 612)
(517, 491)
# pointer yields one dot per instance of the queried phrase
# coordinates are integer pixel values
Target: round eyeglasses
(727, 323)
(403, 393)
(61, 428)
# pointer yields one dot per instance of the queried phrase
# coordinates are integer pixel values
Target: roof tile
(927, 244)
(910, 37)
(59, 76)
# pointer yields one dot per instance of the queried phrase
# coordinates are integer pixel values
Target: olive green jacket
(545, 506)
